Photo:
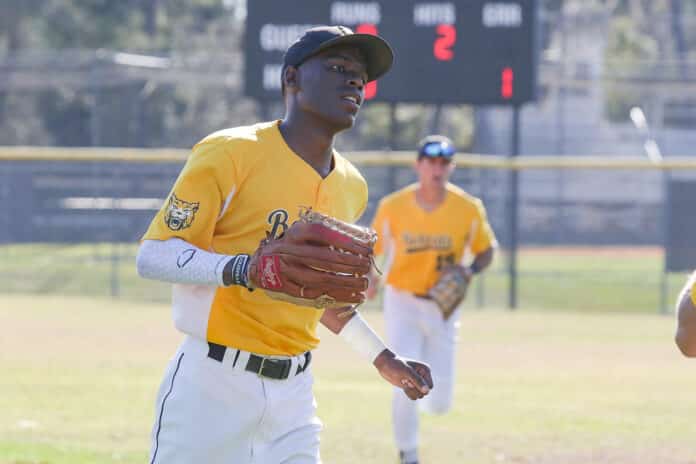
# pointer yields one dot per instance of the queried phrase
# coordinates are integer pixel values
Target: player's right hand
(412, 376)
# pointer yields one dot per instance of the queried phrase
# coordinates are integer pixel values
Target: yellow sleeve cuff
(693, 294)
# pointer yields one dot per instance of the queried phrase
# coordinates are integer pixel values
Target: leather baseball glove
(450, 289)
(319, 261)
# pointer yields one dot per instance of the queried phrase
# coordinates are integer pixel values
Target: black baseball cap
(378, 53)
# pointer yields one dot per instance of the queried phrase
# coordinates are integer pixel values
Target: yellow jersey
(693, 293)
(417, 244)
(238, 185)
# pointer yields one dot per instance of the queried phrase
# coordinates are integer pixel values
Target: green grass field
(78, 378)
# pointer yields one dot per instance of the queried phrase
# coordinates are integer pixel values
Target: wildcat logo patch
(180, 214)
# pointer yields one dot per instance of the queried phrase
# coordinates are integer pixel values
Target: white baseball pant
(416, 329)
(212, 412)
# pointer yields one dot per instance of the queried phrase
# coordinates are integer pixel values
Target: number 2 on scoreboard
(446, 38)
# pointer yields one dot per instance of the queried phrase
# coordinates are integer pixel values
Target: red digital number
(507, 79)
(446, 37)
(371, 87)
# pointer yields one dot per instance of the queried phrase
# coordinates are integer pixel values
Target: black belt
(272, 368)
(423, 297)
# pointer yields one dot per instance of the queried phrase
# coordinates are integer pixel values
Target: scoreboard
(464, 51)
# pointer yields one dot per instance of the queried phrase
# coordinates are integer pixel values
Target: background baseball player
(423, 229)
(239, 389)
(686, 318)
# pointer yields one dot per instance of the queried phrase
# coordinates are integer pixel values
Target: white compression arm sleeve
(179, 262)
(362, 338)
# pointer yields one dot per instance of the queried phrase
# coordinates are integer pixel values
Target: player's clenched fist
(319, 261)
(412, 376)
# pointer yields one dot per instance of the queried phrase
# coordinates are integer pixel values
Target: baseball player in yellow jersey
(686, 318)
(239, 389)
(423, 228)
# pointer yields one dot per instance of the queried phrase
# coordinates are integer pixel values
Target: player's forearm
(355, 331)
(333, 320)
(412, 376)
(177, 261)
(482, 260)
(686, 319)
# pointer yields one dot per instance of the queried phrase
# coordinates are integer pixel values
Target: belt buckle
(282, 365)
(260, 372)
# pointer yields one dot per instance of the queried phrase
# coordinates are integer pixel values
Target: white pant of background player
(211, 412)
(415, 329)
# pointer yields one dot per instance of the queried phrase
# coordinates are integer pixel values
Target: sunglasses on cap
(435, 149)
